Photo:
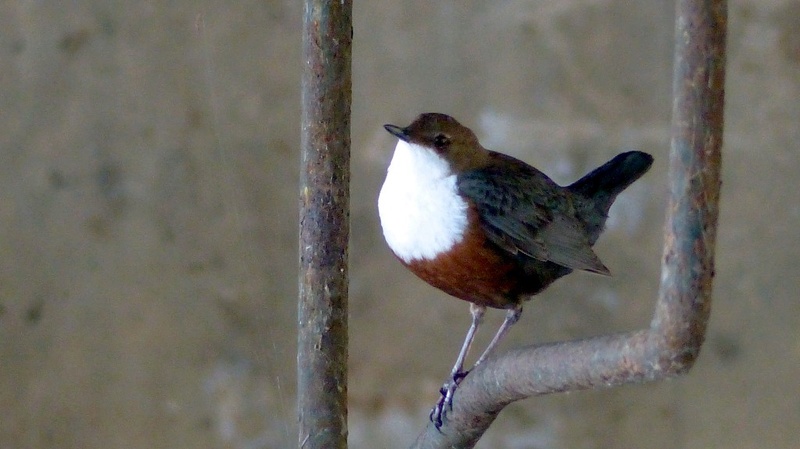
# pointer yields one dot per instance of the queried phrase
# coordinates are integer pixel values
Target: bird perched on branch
(488, 228)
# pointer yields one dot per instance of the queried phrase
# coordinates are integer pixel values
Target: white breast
(421, 213)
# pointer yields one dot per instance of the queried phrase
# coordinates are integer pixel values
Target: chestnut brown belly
(478, 271)
(472, 273)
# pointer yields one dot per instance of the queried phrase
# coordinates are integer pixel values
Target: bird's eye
(441, 141)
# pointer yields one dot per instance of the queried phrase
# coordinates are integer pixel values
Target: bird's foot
(445, 402)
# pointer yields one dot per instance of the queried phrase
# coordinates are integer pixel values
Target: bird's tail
(602, 185)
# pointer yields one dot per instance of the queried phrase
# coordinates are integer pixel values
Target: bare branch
(671, 344)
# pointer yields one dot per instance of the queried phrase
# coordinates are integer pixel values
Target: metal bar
(671, 344)
(324, 224)
(687, 272)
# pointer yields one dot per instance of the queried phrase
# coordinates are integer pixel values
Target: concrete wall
(148, 210)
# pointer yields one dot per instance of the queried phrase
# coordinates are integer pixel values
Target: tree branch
(671, 344)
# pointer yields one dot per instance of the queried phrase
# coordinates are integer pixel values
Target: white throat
(421, 213)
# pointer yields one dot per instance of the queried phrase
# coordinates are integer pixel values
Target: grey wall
(148, 201)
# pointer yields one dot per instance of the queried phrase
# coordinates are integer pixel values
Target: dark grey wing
(524, 212)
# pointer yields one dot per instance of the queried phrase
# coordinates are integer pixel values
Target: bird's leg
(512, 316)
(477, 312)
(457, 373)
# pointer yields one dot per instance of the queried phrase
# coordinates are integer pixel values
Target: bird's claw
(445, 401)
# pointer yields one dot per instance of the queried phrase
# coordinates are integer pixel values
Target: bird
(488, 228)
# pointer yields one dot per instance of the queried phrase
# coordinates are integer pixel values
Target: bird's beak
(397, 131)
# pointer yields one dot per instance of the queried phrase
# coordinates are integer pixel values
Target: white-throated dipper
(488, 228)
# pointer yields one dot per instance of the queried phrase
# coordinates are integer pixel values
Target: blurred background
(149, 156)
